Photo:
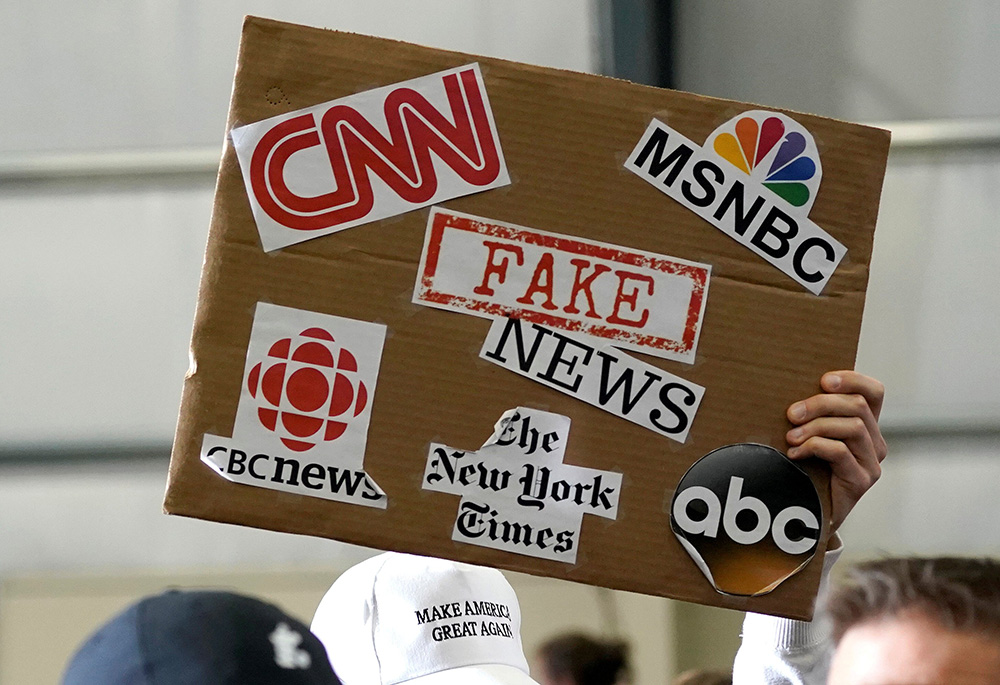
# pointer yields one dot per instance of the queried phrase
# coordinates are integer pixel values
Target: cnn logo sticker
(748, 517)
(370, 156)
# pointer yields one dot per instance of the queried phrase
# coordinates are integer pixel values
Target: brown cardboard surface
(765, 340)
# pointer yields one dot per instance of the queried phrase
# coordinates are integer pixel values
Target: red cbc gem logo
(308, 389)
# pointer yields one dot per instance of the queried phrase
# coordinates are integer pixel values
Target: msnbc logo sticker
(305, 404)
(755, 179)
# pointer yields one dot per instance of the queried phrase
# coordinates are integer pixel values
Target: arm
(839, 426)
(780, 651)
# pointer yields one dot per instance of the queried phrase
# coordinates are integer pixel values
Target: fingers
(854, 383)
(849, 479)
(853, 475)
(844, 405)
(825, 436)
(840, 426)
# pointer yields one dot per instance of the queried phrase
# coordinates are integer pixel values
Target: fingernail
(798, 411)
(833, 381)
(795, 435)
(793, 452)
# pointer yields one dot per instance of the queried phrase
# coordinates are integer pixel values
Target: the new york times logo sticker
(748, 516)
(517, 494)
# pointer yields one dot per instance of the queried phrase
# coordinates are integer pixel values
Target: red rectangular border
(441, 220)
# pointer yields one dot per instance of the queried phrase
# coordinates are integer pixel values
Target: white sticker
(517, 495)
(370, 156)
(641, 300)
(305, 404)
(755, 180)
(598, 375)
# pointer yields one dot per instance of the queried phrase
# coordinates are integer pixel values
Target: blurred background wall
(111, 126)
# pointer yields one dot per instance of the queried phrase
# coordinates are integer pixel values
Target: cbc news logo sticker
(304, 409)
(308, 389)
(748, 517)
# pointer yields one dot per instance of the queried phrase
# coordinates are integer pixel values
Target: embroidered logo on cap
(287, 653)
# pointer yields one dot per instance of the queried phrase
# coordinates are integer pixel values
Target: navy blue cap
(201, 638)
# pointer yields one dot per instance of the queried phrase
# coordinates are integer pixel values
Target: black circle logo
(748, 516)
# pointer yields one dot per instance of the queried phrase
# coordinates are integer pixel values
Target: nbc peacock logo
(774, 150)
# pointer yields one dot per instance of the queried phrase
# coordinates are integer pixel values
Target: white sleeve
(781, 651)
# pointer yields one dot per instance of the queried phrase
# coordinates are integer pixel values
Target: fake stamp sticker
(517, 494)
(370, 156)
(630, 298)
(304, 409)
(755, 179)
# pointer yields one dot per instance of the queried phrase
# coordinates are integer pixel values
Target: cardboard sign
(579, 169)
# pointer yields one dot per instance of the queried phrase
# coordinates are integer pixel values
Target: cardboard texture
(765, 340)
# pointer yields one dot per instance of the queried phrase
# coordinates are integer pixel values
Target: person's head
(578, 659)
(917, 621)
(201, 638)
(400, 618)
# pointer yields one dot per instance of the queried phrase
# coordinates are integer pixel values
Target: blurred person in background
(917, 621)
(897, 621)
(579, 659)
(703, 677)
(201, 638)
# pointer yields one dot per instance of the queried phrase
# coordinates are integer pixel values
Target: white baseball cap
(399, 618)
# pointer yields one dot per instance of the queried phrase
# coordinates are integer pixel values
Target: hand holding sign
(840, 427)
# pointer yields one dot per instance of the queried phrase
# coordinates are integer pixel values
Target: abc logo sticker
(748, 516)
